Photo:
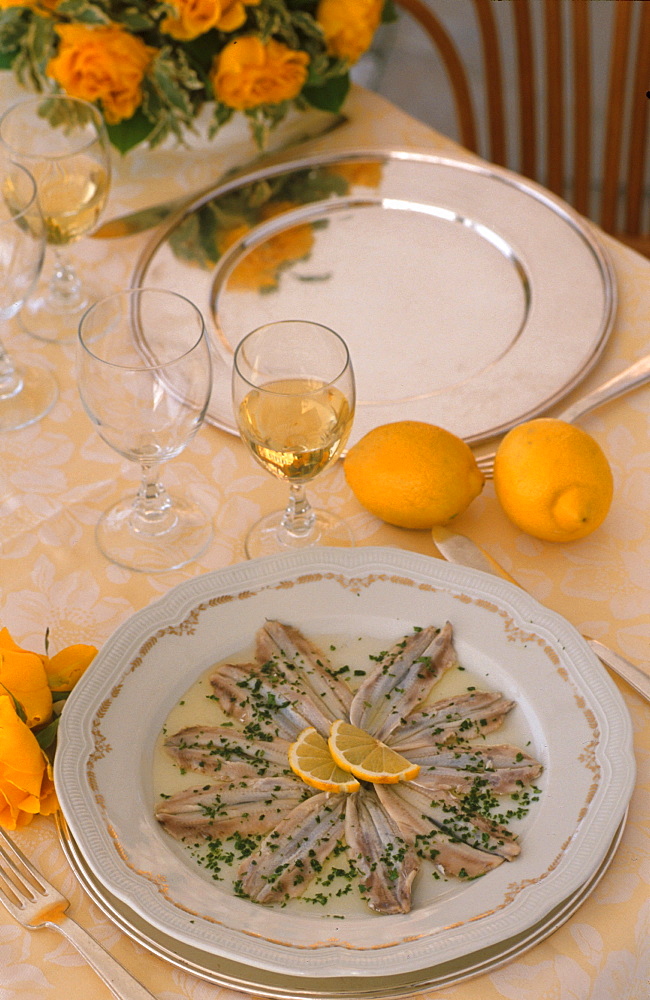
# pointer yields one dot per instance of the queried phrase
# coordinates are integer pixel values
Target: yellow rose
(104, 64)
(259, 270)
(195, 17)
(66, 667)
(23, 675)
(365, 173)
(349, 26)
(248, 73)
(26, 786)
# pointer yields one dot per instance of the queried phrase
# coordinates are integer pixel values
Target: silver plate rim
(581, 227)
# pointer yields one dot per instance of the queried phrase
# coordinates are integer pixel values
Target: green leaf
(136, 20)
(7, 58)
(331, 95)
(83, 11)
(389, 12)
(304, 22)
(20, 711)
(47, 735)
(131, 132)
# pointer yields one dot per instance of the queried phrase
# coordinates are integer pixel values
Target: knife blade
(141, 219)
(460, 549)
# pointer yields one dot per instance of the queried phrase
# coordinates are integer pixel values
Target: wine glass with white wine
(27, 390)
(294, 398)
(63, 143)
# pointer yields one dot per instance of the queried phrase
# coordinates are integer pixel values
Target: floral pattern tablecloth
(56, 476)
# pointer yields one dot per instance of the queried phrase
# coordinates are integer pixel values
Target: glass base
(35, 398)
(42, 317)
(269, 537)
(122, 539)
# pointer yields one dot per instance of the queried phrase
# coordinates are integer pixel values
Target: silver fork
(34, 903)
(631, 378)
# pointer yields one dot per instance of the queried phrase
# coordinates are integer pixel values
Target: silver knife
(459, 549)
(145, 218)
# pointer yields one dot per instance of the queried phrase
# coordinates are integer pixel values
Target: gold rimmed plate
(568, 714)
(282, 986)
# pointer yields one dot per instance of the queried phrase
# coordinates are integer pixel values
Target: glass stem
(10, 380)
(153, 512)
(298, 517)
(64, 289)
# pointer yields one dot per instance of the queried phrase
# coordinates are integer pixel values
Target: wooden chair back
(602, 172)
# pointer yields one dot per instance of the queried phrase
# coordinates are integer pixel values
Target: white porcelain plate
(568, 714)
(469, 297)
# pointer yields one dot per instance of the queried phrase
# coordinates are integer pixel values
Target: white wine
(295, 427)
(71, 197)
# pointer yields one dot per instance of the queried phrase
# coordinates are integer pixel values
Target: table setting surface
(57, 476)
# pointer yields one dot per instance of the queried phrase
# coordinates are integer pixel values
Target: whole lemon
(413, 474)
(553, 480)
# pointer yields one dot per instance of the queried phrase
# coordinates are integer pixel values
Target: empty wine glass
(144, 376)
(294, 396)
(63, 142)
(27, 391)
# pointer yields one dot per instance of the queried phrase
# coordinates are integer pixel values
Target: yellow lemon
(553, 480)
(413, 474)
(311, 760)
(367, 758)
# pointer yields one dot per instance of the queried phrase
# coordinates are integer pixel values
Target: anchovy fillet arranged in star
(501, 769)
(401, 680)
(462, 717)
(291, 855)
(223, 808)
(251, 796)
(387, 861)
(450, 856)
(307, 667)
(446, 813)
(248, 696)
(211, 749)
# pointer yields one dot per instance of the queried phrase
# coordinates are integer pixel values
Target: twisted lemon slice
(311, 760)
(366, 757)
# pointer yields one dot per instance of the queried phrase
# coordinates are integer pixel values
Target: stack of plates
(566, 705)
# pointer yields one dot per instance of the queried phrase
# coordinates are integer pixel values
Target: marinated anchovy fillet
(283, 830)
(401, 680)
(451, 856)
(213, 749)
(220, 809)
(442, 810)
(464, 717)
(307, 668)
(291, 855)
(501, 769)
(386, 859)
(248, 696)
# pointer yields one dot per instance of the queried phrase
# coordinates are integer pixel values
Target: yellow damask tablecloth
(56, 476)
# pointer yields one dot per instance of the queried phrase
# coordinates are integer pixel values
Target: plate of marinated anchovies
(344, 762)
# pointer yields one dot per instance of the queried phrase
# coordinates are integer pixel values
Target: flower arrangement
(33, 689)
(151, 65)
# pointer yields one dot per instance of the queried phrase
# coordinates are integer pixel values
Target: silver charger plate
(469, 297)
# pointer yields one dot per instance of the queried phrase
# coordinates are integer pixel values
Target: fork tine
(20, 884)
(35, 903)
(486, 465)
(19, 868)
